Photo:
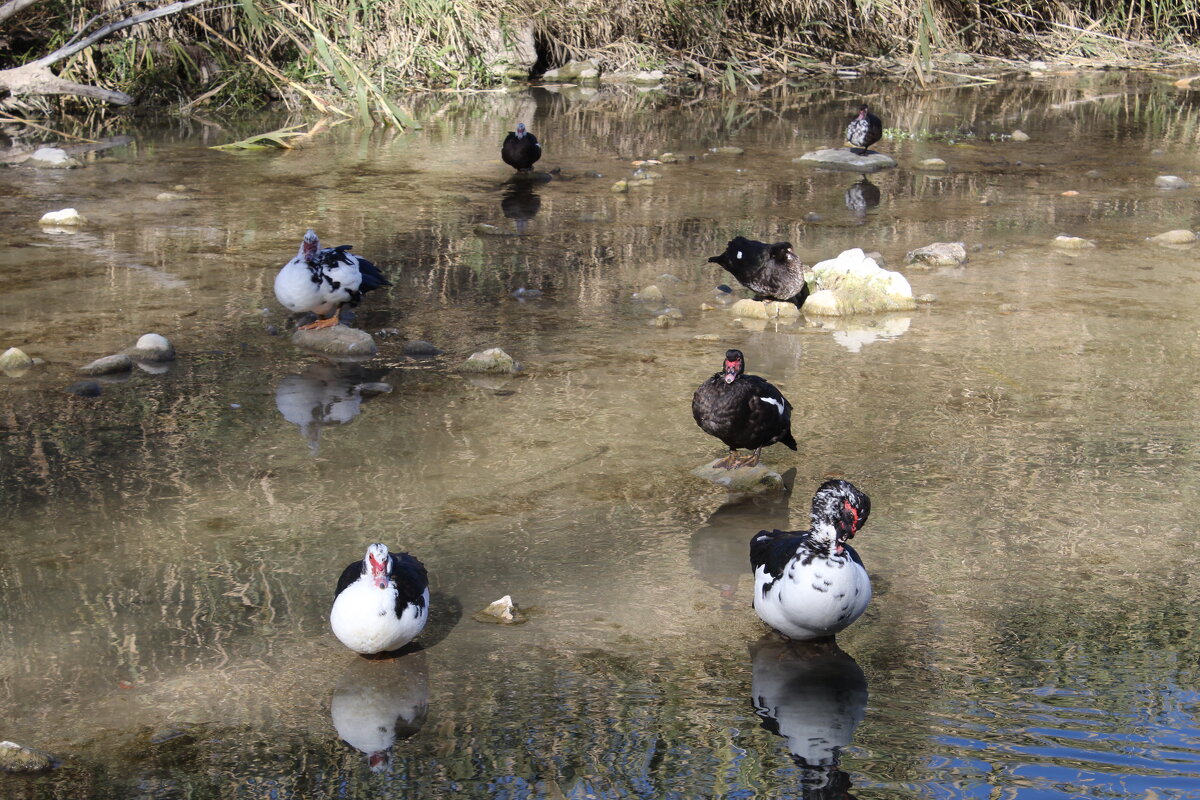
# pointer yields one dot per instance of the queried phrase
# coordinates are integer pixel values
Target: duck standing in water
(811, 584)
(322, 280)
(520, 149)
(742, 411)
(771, 271)
(381, 603)
(864, 131)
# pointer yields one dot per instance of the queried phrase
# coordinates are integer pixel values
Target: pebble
(526, 294)
(492, 360)
(152, 347)
(84, 389)
(67, 217)
(1071, 242)
(16, 758)
(932, 165)
(170, 197)
(1180, 236)
(728, 150)
(107, 365)
(420, 347)
(651, 294)
(1020, 136)
(938, 254)
(52, 158)
(1170, 182)
(337, 340)
(14, 362)
(501, 612)
(620, 186)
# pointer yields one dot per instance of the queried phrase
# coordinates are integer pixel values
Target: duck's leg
(323, 323)
(728, 462)
(750, 460)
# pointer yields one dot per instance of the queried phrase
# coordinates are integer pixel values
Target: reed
(354, 57)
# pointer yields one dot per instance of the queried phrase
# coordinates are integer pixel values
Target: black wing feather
(350, 574)
(410, 578)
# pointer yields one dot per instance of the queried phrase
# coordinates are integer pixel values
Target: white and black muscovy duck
(811, 584)
(381, 602)
(864, 130)
(322, 280)
(743, 411)
(771, 271)
(520, 149)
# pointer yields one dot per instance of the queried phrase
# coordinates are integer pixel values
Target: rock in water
(1171, 182)
(765, 309)
(14, 363)
(15, 758)
(1071, 242)
(1180, 236)
(854, 284)
(758, 478)
(846, 159)
(336, 340)
(51, 158)
(938, 254)
(67, 217)
(493, 360)
(84, 389)
(420, 347)
(502, 612)
(152, 347)
(108, 365)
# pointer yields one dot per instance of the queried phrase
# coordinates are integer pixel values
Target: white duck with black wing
(812, 584)
(743, 411)
(381, 603)
(322, 280)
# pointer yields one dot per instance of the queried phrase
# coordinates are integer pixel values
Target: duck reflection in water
(324, 396)
(718, 547)
(379, 703)
(814, 695)
(520, 204)
(861, 197)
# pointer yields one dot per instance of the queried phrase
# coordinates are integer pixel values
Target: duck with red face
(381, 602)
(743, 411)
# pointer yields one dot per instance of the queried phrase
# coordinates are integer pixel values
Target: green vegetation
(351, 58)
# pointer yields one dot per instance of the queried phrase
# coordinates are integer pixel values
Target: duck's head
(735, 364)
(781, 252)
(379, 761)
(376, 564)
(520, 130)
(863, 110)
(309, 246)
(840, 505)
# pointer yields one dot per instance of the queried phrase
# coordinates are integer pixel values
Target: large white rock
(51, 158)
(853, 283)
(64, 218)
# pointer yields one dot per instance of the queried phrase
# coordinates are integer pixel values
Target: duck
(743, 411)
(864, 130)
(322, 280)
(812, 584)
(771, 271)
(377, 706)
(520, 149)
(381, 602)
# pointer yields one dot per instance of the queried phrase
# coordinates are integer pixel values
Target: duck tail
(372, 278)
(788, 440)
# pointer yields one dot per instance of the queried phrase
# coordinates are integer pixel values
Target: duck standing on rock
(864, 130)
(322, 280)
(381, 603)
(811, 584)
(742, 411)
(771, 271)
(520, 149)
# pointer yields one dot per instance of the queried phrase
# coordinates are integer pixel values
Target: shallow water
(1028, 442)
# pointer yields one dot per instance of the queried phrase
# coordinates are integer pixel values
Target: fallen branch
(14, 7)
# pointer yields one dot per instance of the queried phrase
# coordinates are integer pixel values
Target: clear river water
(1029, 441)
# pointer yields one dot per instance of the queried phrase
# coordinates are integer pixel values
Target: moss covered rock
(853, 283)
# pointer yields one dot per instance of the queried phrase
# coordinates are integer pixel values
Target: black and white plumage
(771, 271)
(864, 130)
(861, 197)
(814, 695)
(381, 602)
(812, 584)
(743, 411)
(520, 149)
(322, 280)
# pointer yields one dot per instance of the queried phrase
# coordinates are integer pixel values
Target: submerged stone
(107, 365)
(1171, 182)
(1180, 236)
(1020, 136)
(933, 165)
(14, 362)
(65, 218)
(152, 347)
(651, 294)
(765, 309)
(336, 340)
(501, 612)
(938, 254)
(728, 150)
(16, 758)
(1071, 242)
(853, 283)
(51, 158)
(846, 159)
(759, 478)
(492, 360)
(84, 389)
(170, 197)
(420, 347)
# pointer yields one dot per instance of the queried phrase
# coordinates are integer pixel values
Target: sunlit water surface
(1029, 443)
